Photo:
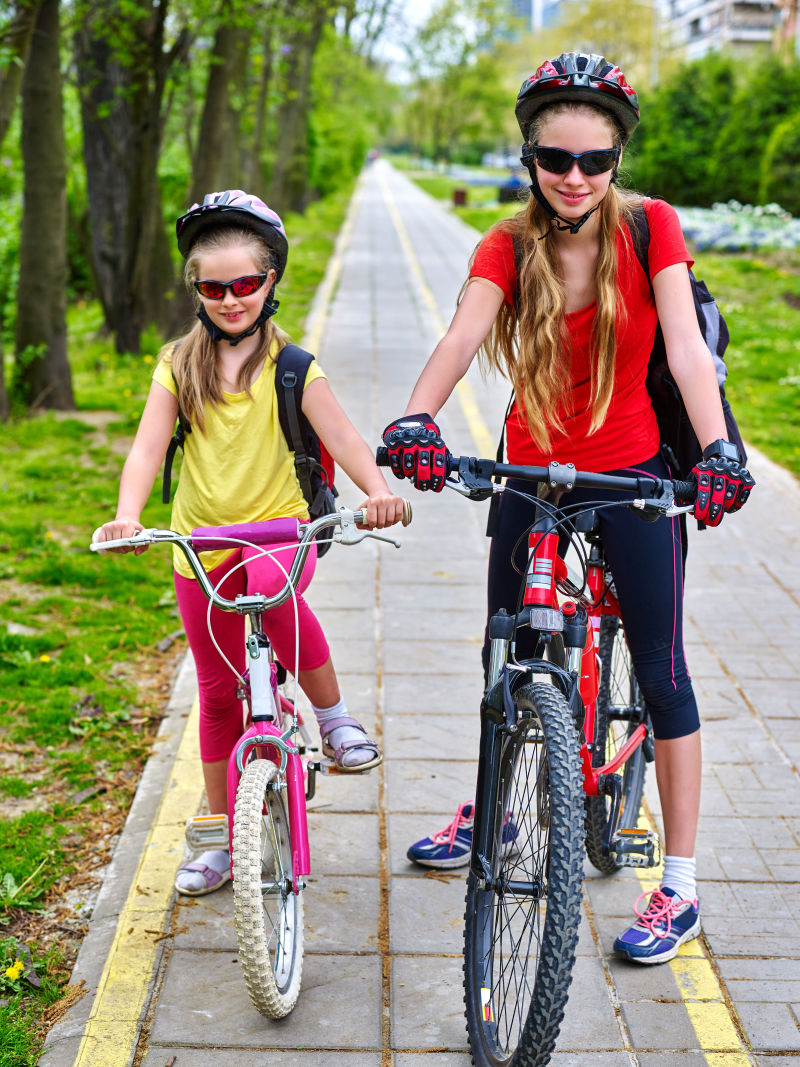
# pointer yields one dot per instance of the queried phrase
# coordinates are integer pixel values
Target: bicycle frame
(263, 738)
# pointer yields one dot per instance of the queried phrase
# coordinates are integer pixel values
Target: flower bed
(733, 227)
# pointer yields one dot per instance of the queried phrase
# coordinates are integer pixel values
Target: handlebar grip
(685, 490)
(407, 513)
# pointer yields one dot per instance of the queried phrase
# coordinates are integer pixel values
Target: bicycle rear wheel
(521, 929)
(618, 712)
(268, 914)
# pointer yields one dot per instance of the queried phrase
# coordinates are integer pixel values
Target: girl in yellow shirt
(237, 468)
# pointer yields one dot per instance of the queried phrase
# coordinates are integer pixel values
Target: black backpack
(679, 444)
(313, 465)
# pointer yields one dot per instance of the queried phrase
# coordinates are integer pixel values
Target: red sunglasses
(244, 286)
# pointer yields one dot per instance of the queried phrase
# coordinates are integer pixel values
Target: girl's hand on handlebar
(119, 528)
(416, 451)
(383, 509)
(722, 485)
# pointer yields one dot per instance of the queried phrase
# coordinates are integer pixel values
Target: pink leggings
(220, 710)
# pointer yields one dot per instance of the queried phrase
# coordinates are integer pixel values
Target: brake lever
(350, 534)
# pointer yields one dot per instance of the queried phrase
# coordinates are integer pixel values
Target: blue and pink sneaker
(451, 846)
(661, 928)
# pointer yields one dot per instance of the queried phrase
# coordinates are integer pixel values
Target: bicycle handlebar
(475, 476)
(277, 531)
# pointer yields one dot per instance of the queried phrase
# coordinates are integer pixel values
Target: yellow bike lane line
(709, 1010)
(112, 1030)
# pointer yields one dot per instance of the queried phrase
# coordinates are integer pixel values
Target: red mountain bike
(564, 744)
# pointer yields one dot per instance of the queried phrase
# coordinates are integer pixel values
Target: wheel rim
(278, 900)
(512, 923)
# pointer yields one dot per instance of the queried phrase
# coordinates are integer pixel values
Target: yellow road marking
(464, 391)
(112, 1028)
(703, 998)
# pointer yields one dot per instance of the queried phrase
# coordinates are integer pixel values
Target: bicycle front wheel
(618, 712)
(521, 927)
(268, 914)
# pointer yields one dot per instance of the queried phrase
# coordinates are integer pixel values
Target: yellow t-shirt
(240, 469)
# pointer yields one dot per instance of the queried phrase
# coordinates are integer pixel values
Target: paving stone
(590, 1020)
(770, 1026)
(432, 1059)
(417, 736)
(427, 1006)
(678, 1059)
(658, 1026)
(426, 915)
(343, 843)
(430, 785)
(162, 1056)
(228, 1020)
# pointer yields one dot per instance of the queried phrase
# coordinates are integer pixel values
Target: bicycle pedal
(207, 831)
(325, 765)
(636, 848)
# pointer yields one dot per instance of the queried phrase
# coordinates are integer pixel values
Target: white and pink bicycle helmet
(234, 207)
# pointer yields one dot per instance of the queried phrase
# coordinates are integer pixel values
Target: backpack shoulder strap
(640, 236)
(176, 442)
(290, 379)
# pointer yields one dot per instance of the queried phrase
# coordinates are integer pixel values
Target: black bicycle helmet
(233, 207)
(583, 78)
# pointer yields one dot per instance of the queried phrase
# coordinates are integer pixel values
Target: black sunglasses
(244, 286)
(559, 161)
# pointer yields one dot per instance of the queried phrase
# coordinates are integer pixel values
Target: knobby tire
(519, 951)
(268, 915)
(618, 711)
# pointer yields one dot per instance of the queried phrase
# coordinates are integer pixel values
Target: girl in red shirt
(558, 302)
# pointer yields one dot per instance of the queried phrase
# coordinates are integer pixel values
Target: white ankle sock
(354, 756)
(680, 875)
(219, 859)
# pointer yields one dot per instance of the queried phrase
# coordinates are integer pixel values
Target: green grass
(759, 296)
(84, 685)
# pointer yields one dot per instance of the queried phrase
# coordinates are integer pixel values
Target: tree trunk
(255, 166)
(41, 341)
(121, 88)
(217, 153)
(289, 185)
(15, 38)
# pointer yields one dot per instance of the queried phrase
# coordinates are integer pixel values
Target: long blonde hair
(529, 342)
(194, 356)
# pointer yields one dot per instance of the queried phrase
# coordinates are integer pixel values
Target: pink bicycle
(270, 774)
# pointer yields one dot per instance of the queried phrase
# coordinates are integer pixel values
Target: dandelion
(44, 658)
(15, 970)
(127, 392)
(49, 534)
(148, 359)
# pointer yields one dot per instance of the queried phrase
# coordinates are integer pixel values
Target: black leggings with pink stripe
(646, 561)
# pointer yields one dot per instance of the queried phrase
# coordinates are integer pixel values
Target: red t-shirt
(629, 433)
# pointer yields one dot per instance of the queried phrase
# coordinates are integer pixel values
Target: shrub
(780, 166)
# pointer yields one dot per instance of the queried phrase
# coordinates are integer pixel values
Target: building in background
(741, 27)
(537, 14)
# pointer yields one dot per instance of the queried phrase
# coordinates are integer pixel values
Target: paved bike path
(382, 976)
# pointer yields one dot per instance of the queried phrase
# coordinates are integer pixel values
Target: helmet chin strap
(233, 339)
